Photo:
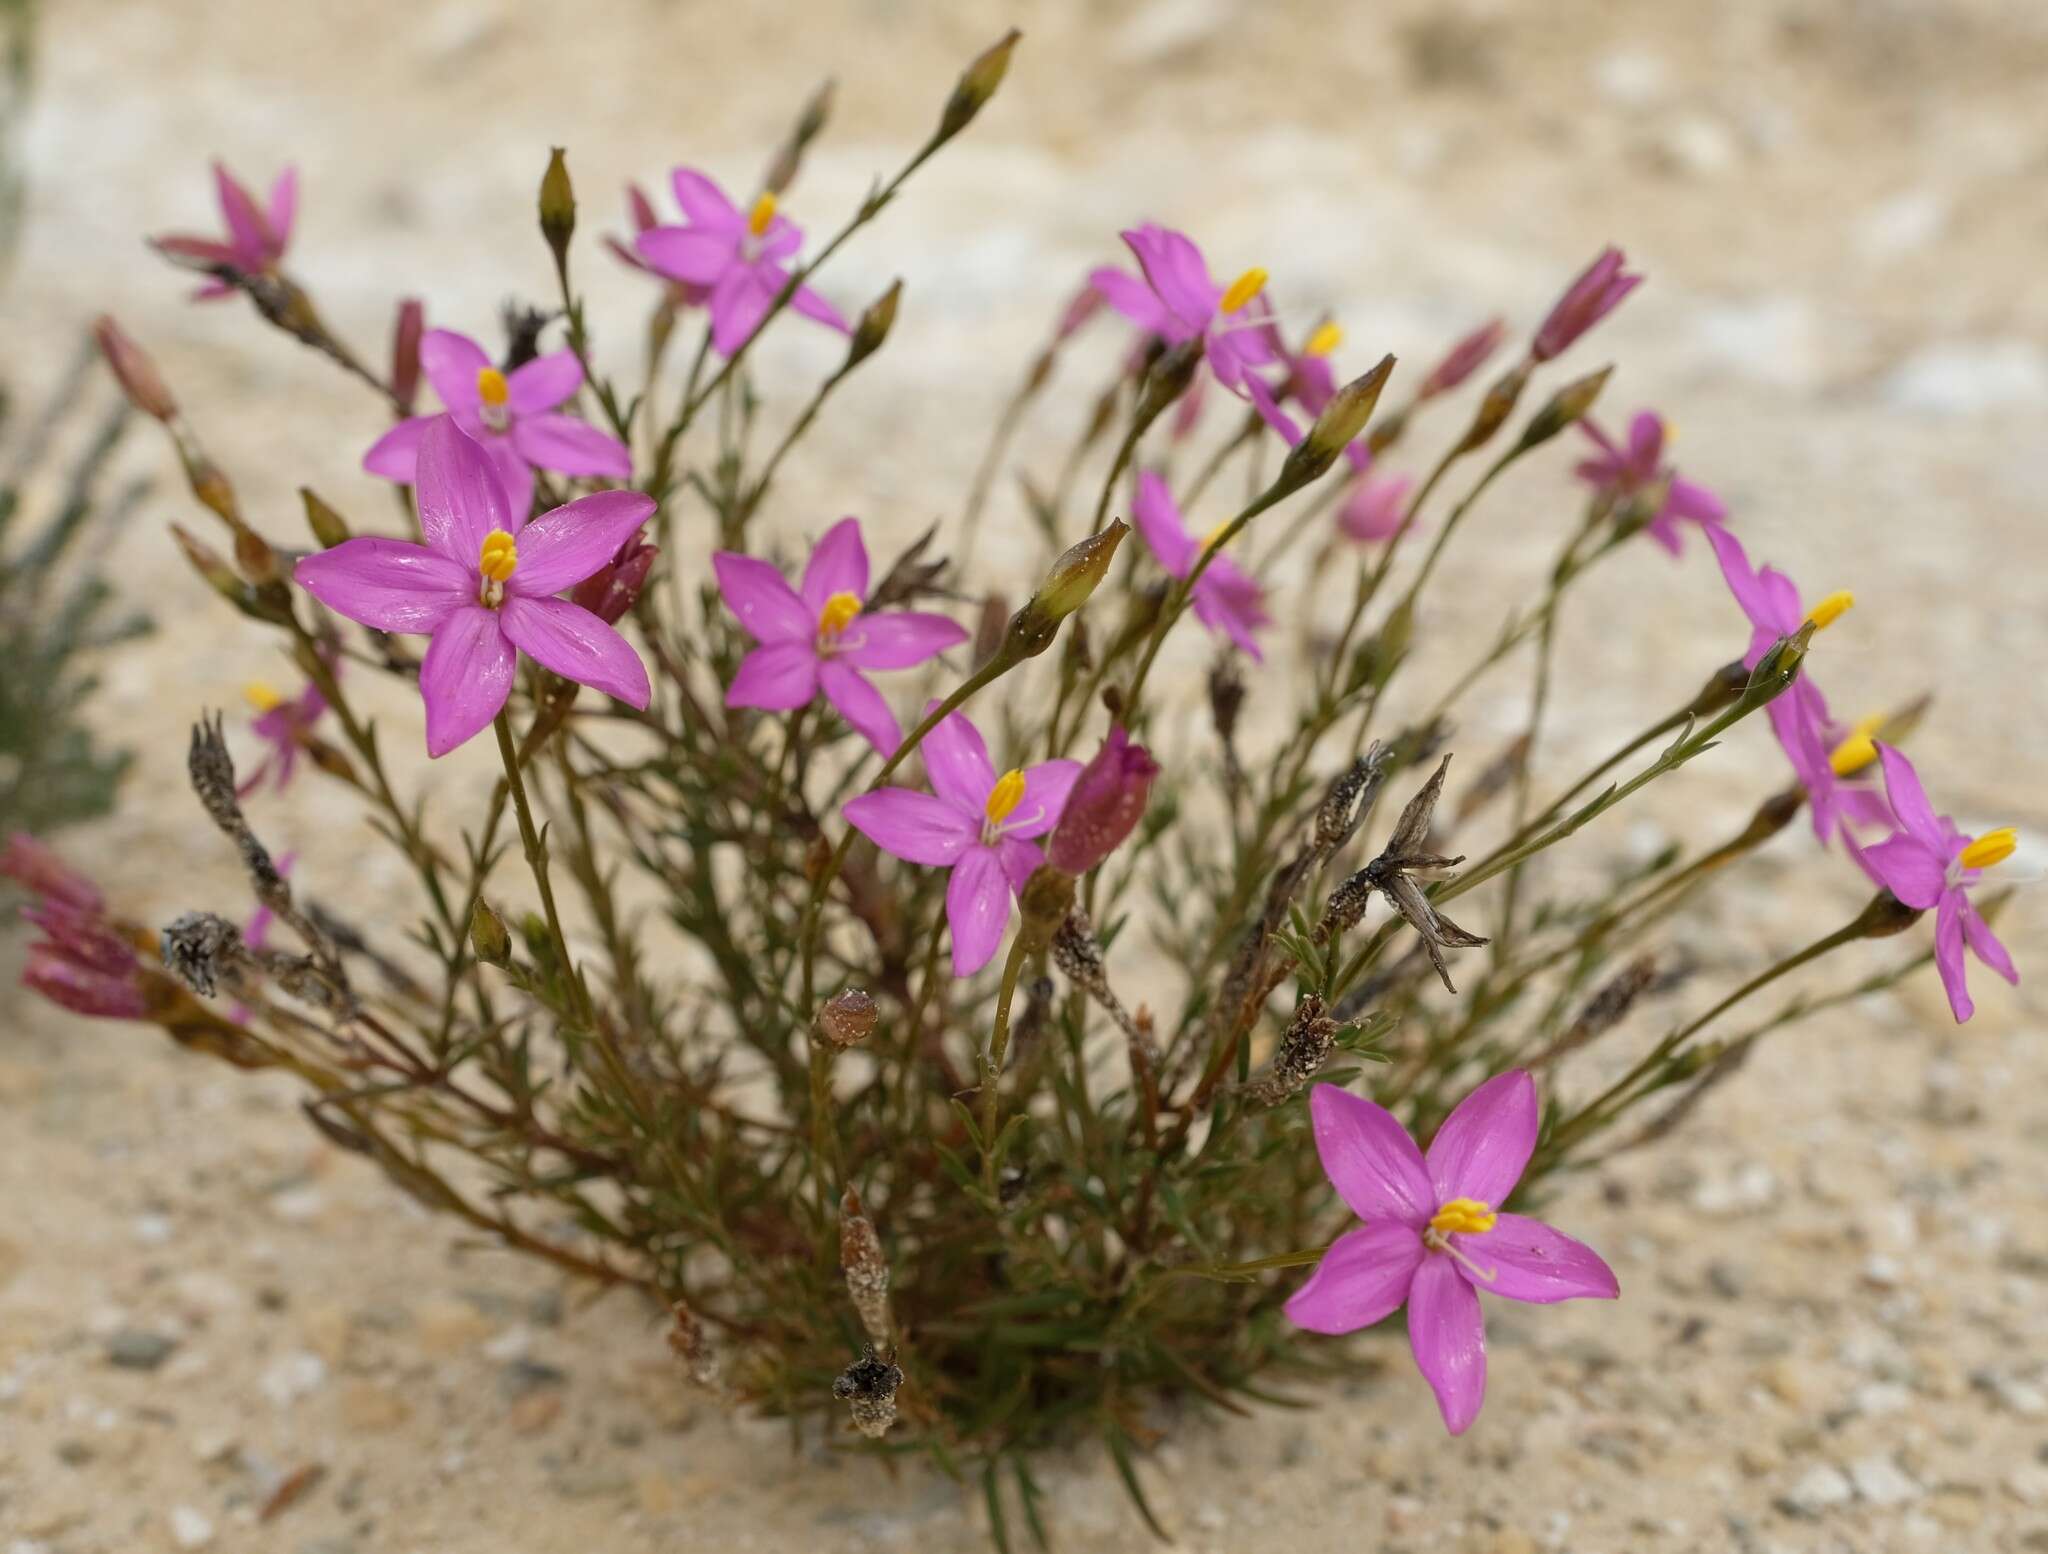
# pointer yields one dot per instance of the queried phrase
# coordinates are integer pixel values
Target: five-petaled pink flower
(816, 637)
(1226, 597)
(482, 586)
(739, 255)
(284, 724)
(1596, 293)
(1434, 1235)
(640, 210)
(257, 236)
(1373, 509)
(1622, 473)
(1177, 300)
(511, 416)
(975, 823)
(1929, 864)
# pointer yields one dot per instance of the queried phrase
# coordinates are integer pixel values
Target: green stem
(993, 1060)
(537, 861)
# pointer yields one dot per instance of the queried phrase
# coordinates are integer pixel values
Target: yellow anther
(762, 216)
(262, 697)
(1831, 609)
(1214, 537)
(1242, 290)
(1006, 795)
(491, 387)
(1464, 1217)
(1858, 750)
(1325, 340)
(498, 557)
(1990, 848)
(839, 610)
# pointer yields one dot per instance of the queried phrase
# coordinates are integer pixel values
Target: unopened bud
(611, 592)
(809, 125)
(1567, 405)
(1343, 418)
(1166, 380)
(1496, 407)
(406, 331)
(978, 83)
(1104, 805)
(848, 1018)
(211, 565)
(1465, 358)
(1078, 573)
(489, 939)
(874, 326)
(258, 562)
(328, 526)
(557, 206)
(1721, 689)
(211, 485)
(1886, 915)
(133, 369)
(1778, 667)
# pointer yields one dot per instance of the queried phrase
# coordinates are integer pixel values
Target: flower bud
(1343, 418)
(1496, 407)
(978, 83)
(255, 558)
(211, 565)
(489, 940)
(848, 1018)
(1106, 803)
(612, 591)
(1886, 915)
(135, 372)
(557, 206)
(1567, 405)
(809, 125)
(1721, 689)
(1166, 380)
(1078, 573)
(1596, 293)
(328, 526)
(874, 326)
(406, 330)
(37, 868)
(1465, 358)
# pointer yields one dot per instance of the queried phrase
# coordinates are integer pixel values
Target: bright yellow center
(1831, 609)
(1464, 1217)
(762, 215)
(1006, 795)
(839, 609)
(1858, 750)
(498, 557)
(491, 387)
(1990, 848)
(1242, 290)
(1325, 340)
(262, 697)
(1214, 537)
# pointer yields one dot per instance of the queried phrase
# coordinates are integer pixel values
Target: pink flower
(1433, 1236)
(1372, 511)
(37, 868)
(1930, 864)
(1311, 382)
(739, 255)
(1226, 597)
(284, 726)
(640, 210)
(81, 962)
(1105, 806)
(1464, 359)
(1622, 473)
(482, 586)
(816, 637)
(511, 415)
(256, 237)
(1177, 300)
(1596, 293)
(975, 823)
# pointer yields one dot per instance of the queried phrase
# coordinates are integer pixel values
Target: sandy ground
(1832, 1333)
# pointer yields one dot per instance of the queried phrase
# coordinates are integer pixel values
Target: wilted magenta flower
(1930, 864)
(482, 586)
(408, 328)
(511, 416)
(1596, 293)
(1624, 472)
(81, 962)
(1105, 806)
(1372, 511)
(739, 255)
(256, 237)
(975, 823)
(1226, 598)
(816, 637)
(1178, 301)
(1434, 1236)
(1465, 358)
(283, 725)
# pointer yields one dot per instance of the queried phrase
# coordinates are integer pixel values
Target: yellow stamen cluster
(762, 216)
(1858, 750)
(1005, 796)
(498, 557)
(263, 698)
(1992, 847)
(1325, 340)
(838, 613)
(1242, 290)
(491, 386)
(1831, 609)
(1464, 1217)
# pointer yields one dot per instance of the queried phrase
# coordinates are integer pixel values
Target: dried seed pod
(868, 1388)
(688, 1341)
(202, 949)
(848, 1018)
(866, 1270)
(1304, 1049)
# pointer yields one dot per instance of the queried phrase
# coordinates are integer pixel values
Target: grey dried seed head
(200, 949)
(1436, 931)
(868, 1387)
(866, 1269)
(1350, 800)
(212, 771)
(1303, 1051)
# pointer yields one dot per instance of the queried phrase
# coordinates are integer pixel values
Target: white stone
(1631, 78)
(1882, 1481)
(291, 1376)
(1970, 377)
(1820, 1488)
(189, 1528)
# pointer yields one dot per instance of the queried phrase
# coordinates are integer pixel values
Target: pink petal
(246, 227)
(543, 383)
(451, 363)
(1370, 1159)
(1228, 600)
(391, 585)
(1176, 270)
(566, 544)
(812, 306)
(1531, 1262)
(201, 250)
(1905, 867)
(465, 677)
(861, 705)
(577, 645)
(515, 475)
(1948, 957)
(900, 640)
(777, 677)
(571, 446)
(839, 564)
(1130, 297)
(916, 827)
(1361, 1280)
(957, 765)
(1485, 1143)
(1046, 787)
(1977, 933)
(396, 455)
(1742, 578)
(977, 908)
(1270, 412)
(783, 238)
(1448, 1336)
(460, 497)
(1909, 801)
(284, 208)
(765, 603)
(1159, 521)
(1021, 860)
(701, 199)
(696, 255)
(738, 303)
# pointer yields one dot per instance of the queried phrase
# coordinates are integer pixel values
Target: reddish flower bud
(1106, 803)
(1465, 358)
(36, 868)
(611, 591)
(1596, 293)
(137, 374)
(82, 989)
(405, 352)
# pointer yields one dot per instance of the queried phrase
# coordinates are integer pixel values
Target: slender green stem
(992, 1061)
(537, 861)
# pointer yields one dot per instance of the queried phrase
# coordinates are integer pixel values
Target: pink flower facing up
(257, 236)
(740, 256)
(1226, 597)
(80, 962)
(1432, 1235)
(973, 822)
(1596, 293)
(1930, 864)
(1177, 300)
(483, 585)
(511, 415)
(284, 726)
(1624, 472)
(816, 637)
(1372, 511)
(640, 210)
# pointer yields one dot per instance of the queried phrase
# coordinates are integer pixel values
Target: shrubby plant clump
(887, 1134)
